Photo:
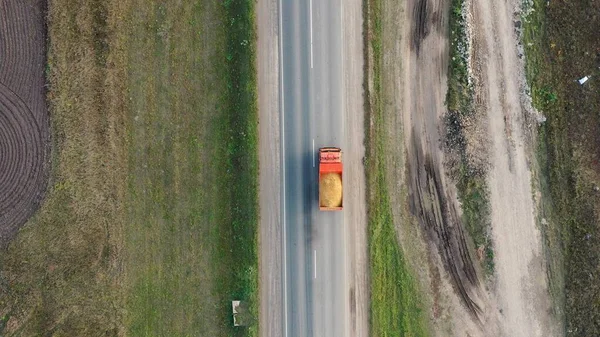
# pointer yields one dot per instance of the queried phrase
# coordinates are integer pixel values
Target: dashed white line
(342, 52)
(315, 262)
(313, 153)
(311, 34)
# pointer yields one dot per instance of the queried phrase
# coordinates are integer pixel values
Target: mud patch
(24, 128)
(352, 297)
(429, 203)
(420, 29)
(435, 286)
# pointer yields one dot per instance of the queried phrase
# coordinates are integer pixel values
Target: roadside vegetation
(149, 227)
(561, 46)
(192, 214)
(396, 307)
(468, 173)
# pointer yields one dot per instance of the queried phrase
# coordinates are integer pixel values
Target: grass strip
(561, 46)
(193, 168)
(471, 184)
(243, 154)
(395, 305)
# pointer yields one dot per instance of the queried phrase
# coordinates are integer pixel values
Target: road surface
(315, 278)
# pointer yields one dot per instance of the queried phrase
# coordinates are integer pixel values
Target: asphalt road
(314, 247)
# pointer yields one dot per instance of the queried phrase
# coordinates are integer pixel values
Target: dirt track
(521, 288)
(24, 126)
(517, 302)
(432, 196)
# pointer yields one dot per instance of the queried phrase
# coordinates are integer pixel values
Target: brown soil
(432, 195)
(24, 127)
(434, 207)
(520, 286)
(516, 302)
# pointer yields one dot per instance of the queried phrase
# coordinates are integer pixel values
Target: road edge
(355, 215)
(270, 258)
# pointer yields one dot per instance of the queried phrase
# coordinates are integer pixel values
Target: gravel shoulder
(270, 234)
(355, 215)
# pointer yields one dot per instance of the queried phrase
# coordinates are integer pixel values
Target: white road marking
(282, 114)
(342, 52)
(315, 255)
(311, 34)
(313, 153)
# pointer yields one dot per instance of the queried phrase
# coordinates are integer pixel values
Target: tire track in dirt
(432, 198)
(432, 204)
(420, 28)
(24, 128)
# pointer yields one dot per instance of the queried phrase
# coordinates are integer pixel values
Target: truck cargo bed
(330, 179)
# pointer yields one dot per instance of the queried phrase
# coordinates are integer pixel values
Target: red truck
(331, 196)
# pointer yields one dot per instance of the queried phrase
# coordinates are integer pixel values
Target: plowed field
(24, 128)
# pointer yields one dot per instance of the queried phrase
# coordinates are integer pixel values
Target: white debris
(583, 80)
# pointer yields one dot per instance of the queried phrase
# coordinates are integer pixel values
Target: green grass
(459, 97)
(473, 192)
(396, 307)
(561, 46)
(192, 183)
(395, 300)
(544, 98)
(243, 154)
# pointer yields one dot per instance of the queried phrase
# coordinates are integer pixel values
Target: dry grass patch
(61, 275)
(150, 224)
(561, 44)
